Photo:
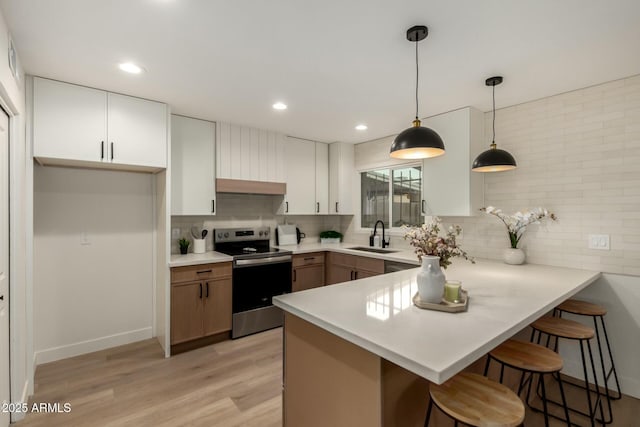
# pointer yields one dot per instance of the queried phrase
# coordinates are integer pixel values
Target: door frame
(20, 183)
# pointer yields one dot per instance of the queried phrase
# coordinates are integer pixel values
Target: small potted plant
(330, 237)
(516, 226)
(184, 245)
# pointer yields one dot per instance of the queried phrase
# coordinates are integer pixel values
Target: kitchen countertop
(211, 257)
(378, 315)
(178, 260)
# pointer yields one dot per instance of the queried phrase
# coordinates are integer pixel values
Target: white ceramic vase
(430, 280)
(513, 256)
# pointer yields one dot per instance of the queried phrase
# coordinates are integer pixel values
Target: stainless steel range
(260, 272)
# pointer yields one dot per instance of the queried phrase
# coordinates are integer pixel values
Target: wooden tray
(444, 305)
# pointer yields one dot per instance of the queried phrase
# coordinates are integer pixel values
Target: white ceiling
(336, 63)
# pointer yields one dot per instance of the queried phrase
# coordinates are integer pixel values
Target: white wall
(91, 296)
(578, 156)
(12, 98)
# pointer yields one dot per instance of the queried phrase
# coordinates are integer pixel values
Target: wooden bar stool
(530, 358)
(583, 308)
(557, 328)
(477, 401)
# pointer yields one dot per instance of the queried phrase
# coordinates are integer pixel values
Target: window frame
(393, 231)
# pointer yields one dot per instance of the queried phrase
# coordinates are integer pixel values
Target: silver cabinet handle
(424, 212)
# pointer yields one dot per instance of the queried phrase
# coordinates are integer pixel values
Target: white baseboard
(89, 346)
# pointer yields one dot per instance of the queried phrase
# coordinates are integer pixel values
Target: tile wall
(578, 155)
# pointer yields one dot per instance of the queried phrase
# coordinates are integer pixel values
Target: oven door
(256, 281)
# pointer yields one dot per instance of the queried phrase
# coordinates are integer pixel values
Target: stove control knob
(226, 235)
(266, 233)
(261, 233)
(219, 235)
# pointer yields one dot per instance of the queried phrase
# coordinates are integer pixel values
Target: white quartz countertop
(211, 257)
(378, 315)
(195, 259)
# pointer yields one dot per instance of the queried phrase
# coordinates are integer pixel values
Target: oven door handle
(262, 261)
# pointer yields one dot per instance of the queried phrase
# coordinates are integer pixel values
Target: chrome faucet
(375, 231)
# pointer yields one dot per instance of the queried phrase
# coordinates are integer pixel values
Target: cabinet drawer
(308, 259)
(200, 272)
(342, 259)
(370, 264)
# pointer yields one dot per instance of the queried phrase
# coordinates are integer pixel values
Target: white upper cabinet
(137, 131)
(300, 160)
(341, 172)
(249, 154)
(79, 126)
(322, 178)
(450, 188)
(70, 122)
(193, 176)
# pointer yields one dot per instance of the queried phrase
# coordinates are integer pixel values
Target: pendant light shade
(417, 142)
(494, 159)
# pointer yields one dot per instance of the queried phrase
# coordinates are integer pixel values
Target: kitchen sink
(370, 249)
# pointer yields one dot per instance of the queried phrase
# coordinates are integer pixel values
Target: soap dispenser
(371, 239)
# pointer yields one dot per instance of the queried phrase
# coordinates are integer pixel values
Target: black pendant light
(417, 142)
(494, 159)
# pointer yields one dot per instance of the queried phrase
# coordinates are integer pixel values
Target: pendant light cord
(417, 80)
(493, 141)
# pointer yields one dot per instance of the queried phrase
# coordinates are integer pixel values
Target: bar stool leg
(613, 365)
(604, 374)
(586, 380)
(426, 420)
(595, 381)
(564, 399)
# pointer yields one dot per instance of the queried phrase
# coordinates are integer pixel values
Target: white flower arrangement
(426, 241)
(517, 223)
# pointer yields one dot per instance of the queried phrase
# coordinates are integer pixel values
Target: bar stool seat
(477, 401)
(527, 356)
(563, 328)
(530, 359)
(582, 308)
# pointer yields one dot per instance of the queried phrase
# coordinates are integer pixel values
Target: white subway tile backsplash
(578, 156)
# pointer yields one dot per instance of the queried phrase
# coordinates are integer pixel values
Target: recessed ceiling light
(279, 106)
(130, 67)
(361, 127)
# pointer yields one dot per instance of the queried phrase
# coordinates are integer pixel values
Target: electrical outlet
(599, 241)
(175, 233)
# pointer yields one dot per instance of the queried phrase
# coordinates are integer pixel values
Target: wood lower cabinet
(200, 301)
(343, 267)
(308, 271)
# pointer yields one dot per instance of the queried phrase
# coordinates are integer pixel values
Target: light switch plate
(599, 241)
(175, 233)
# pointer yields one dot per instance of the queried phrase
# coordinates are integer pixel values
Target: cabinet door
(186, 312)
(137, 131)
(341, 172)
(450, 187)
(69, 121)
(217, 306)
(339, 274)
(307, 277)
(300, 158)
(193, 177)
(322, 178)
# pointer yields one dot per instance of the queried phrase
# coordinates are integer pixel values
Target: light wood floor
(233, 383)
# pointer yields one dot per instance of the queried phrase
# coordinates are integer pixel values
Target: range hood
(241, 186)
